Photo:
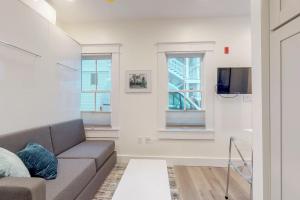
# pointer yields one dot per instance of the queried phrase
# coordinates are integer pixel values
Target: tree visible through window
(184, 83)
(96, 84)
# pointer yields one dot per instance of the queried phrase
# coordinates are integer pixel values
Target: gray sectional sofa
(82, 165)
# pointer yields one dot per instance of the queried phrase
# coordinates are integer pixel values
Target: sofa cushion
(11, 165)
(73, 176)
(98, 150)
(66, 135)
(16, 141)
(39, 161)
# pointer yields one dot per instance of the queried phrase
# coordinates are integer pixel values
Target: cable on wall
(67, 66)
(226, 97)
(19, 48)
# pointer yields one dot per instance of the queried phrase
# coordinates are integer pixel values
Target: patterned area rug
(110, 184)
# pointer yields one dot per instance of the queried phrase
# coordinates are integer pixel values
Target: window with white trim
(185, 102)
(96, 86)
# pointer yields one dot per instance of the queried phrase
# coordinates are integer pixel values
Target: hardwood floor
(209, 183)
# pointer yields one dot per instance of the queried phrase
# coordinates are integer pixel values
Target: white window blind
(96, 118)
(188, 118)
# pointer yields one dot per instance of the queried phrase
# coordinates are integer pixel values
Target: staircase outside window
(185, 105)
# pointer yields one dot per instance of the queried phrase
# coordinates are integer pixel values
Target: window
(184, 73)
(96, 84)
(184, 90)
(185, 82)
(96, 88)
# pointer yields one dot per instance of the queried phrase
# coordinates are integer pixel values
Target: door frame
(277, 37)
(279, 16)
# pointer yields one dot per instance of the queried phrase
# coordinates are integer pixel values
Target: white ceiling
(76, 11)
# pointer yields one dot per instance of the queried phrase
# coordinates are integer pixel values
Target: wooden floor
(208, 183)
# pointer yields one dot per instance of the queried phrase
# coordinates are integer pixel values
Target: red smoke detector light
(226, 50)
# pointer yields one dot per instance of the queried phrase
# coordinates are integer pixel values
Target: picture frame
(138, 81)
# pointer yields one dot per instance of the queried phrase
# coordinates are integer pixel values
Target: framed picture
(138, 81)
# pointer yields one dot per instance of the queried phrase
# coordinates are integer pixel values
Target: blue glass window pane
(176, 101)
(104, 74)
(103, 102)
(193, 101)
(193, 86)
(104, 82)
(193, 70)
(88, 65)
(88, 81)
(176, 71)
(87, 102)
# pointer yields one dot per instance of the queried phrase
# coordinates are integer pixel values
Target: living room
(127, 100)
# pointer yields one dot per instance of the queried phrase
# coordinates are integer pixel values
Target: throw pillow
(11, 165)
(39, 161)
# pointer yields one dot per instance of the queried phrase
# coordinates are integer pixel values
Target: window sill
(186, 111)
(99, 128)
(95, 112)
(102, 132)
(186, 134)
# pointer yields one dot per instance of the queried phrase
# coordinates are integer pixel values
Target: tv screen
(234, 81)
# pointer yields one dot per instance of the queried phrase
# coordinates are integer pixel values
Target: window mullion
(81, 74)
(184, 99)
(185, 82)
(96, 75)
(95, 101)
(96, 85)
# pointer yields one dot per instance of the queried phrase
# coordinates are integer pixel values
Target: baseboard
(177, 160)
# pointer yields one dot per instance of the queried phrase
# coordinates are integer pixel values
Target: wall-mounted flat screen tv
(234, 80)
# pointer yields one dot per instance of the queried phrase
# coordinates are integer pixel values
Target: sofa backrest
(66, 135)
(16, 141)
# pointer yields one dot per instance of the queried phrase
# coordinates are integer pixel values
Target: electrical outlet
(148, 140)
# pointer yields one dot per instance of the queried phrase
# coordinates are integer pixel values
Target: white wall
(261, 119)
(35, 91)
(138, 112)
(43, 8)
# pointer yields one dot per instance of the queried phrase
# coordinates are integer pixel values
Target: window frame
(207, 48)
(185, 91)
(96, 57)
(113, 131)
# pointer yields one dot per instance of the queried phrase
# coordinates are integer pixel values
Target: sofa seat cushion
(72, 177)
(98, 150)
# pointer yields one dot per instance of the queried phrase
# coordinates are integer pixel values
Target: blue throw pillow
(39, 161)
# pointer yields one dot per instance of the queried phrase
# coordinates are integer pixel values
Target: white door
(282, 11)
(285, 110)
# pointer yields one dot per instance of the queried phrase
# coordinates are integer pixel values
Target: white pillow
(12, 165)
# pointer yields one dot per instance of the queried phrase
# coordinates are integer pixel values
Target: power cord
(226, 97)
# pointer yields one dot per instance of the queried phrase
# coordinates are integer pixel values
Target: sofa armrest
(22, 188)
